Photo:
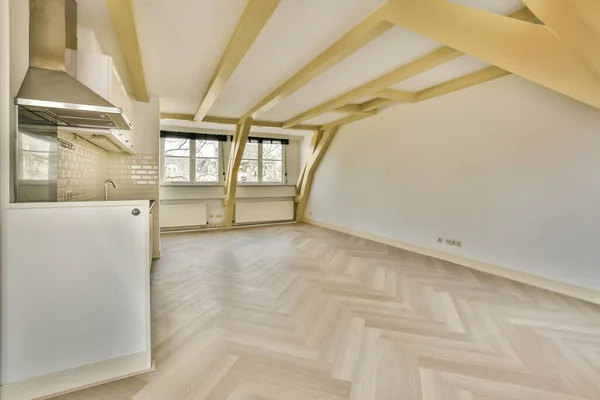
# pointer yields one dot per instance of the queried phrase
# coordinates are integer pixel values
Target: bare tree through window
(272, 162)
(188, 160)
(262, 162)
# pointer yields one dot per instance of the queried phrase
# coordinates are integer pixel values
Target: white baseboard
(590, 295)
(59, 383)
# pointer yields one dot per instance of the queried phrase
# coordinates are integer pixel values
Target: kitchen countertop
(66, 204)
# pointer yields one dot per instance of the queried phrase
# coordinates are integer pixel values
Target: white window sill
(190, 184)
(264, 184)
(245, 184)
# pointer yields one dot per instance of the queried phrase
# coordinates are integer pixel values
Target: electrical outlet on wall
(453, 242)
(450, 242)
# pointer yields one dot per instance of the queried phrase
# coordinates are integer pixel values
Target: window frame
(192, 158)
(260, 182)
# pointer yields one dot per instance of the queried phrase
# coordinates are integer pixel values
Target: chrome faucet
(106, 187)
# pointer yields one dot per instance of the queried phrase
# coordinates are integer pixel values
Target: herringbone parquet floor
(297, 312)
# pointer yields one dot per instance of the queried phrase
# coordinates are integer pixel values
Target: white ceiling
(393, 49)
(182, 42)
(297, 32)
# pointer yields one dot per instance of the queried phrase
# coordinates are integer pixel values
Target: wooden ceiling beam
(234, 121)
(525, 49)
(575, 22)
(303, 188)
(380, 86)
(411, 69)
(235, 158)
(376, 104)
(349, 119)
(369, 29)
(122, 14)
(316, 137)
(254, 18)
(472, 79)
(183, 117)
(351, 109)
(396, 95)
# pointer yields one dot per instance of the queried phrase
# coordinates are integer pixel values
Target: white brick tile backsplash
(82, 170)
(133, 173)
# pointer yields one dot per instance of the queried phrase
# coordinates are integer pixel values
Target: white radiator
(264, 211)
(175, 216)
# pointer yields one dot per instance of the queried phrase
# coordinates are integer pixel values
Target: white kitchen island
(75, 296)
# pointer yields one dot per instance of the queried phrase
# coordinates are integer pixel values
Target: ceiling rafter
(233, 121)
(370, 28)
(349, 119)
(576, 23)
(255, 16)
(396, 95)
(472, 79)
(462, 82)
(352, 109)
(375, 104)
(122, 14)
(316, 137)
(380, 86)
(321, 142)
(525, 49)
(235, 158)
(411, 69)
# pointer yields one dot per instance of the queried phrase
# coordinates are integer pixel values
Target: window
(189, 160)
(249, 165)
(36, 153)
(272, 162)
(262, 162)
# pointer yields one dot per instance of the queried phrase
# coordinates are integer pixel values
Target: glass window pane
(272, 151)
(177, 169)
(35, 165)
(250, 152)
(272, 171)
(35, 157)
(177, 147)
(207, 170)
(207, 148)
(248, 171)
(33, 143)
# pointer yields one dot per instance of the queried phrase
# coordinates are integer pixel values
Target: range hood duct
(49, 94)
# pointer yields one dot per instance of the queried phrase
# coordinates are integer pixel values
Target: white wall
(87, 41)
(147, 126)
(5, 107)
(508, 167)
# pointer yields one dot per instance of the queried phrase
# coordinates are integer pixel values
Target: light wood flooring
(297, 312)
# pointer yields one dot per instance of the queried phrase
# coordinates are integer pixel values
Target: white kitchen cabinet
(98, 72)
(75, 294)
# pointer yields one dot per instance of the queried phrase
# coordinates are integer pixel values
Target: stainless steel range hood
(49, 94)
